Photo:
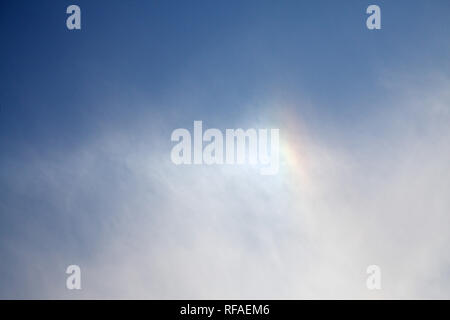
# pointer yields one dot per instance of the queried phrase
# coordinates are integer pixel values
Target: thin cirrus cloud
(141, 227)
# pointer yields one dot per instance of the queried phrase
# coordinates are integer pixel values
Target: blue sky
(84, 113)
(232, 51)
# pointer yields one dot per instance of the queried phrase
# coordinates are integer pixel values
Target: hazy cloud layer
(141, 227)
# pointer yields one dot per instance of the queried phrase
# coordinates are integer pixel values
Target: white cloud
(156, 230)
